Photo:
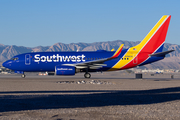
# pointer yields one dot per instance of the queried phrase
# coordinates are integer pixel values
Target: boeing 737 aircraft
(69, 63)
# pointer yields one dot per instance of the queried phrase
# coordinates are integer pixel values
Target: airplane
(149, 50)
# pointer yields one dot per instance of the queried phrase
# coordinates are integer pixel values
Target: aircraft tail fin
(154, 40)
(153, 43)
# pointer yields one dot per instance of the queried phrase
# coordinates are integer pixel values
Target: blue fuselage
(46, 61)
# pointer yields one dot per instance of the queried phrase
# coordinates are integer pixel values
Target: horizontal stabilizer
(162, 53)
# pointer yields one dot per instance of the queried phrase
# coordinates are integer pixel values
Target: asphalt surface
(114, 95)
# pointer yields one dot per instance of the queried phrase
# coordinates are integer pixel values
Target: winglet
(112, 49)
(117, 53)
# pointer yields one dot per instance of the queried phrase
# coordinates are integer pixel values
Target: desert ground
(105, 96)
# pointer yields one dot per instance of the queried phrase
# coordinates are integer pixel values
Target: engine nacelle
(65, 70)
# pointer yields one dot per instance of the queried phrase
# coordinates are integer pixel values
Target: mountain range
(172, 60)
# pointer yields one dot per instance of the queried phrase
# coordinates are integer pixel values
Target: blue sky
(34, 23)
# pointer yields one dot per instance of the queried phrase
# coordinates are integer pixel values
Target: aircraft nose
(4, 64)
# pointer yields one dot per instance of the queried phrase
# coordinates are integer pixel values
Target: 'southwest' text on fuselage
(58, 58)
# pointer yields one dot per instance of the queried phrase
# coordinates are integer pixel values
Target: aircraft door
(27, 59)
(135, 60)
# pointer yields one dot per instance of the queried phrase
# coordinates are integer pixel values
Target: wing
(95, 64)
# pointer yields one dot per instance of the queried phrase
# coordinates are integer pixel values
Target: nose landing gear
(23, 75)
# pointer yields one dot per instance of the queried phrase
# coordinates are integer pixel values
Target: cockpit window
(15, 58)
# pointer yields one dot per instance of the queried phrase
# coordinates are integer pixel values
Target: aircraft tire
(87, 75)
(23, 75)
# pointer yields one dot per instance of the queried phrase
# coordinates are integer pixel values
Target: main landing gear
(87, 75)
(23, 75)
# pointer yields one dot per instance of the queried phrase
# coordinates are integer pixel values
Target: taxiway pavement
(112, 95)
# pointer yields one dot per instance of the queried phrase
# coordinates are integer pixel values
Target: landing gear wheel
(87, 75)
(23, 75)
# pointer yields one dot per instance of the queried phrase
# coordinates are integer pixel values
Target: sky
(32, 23)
